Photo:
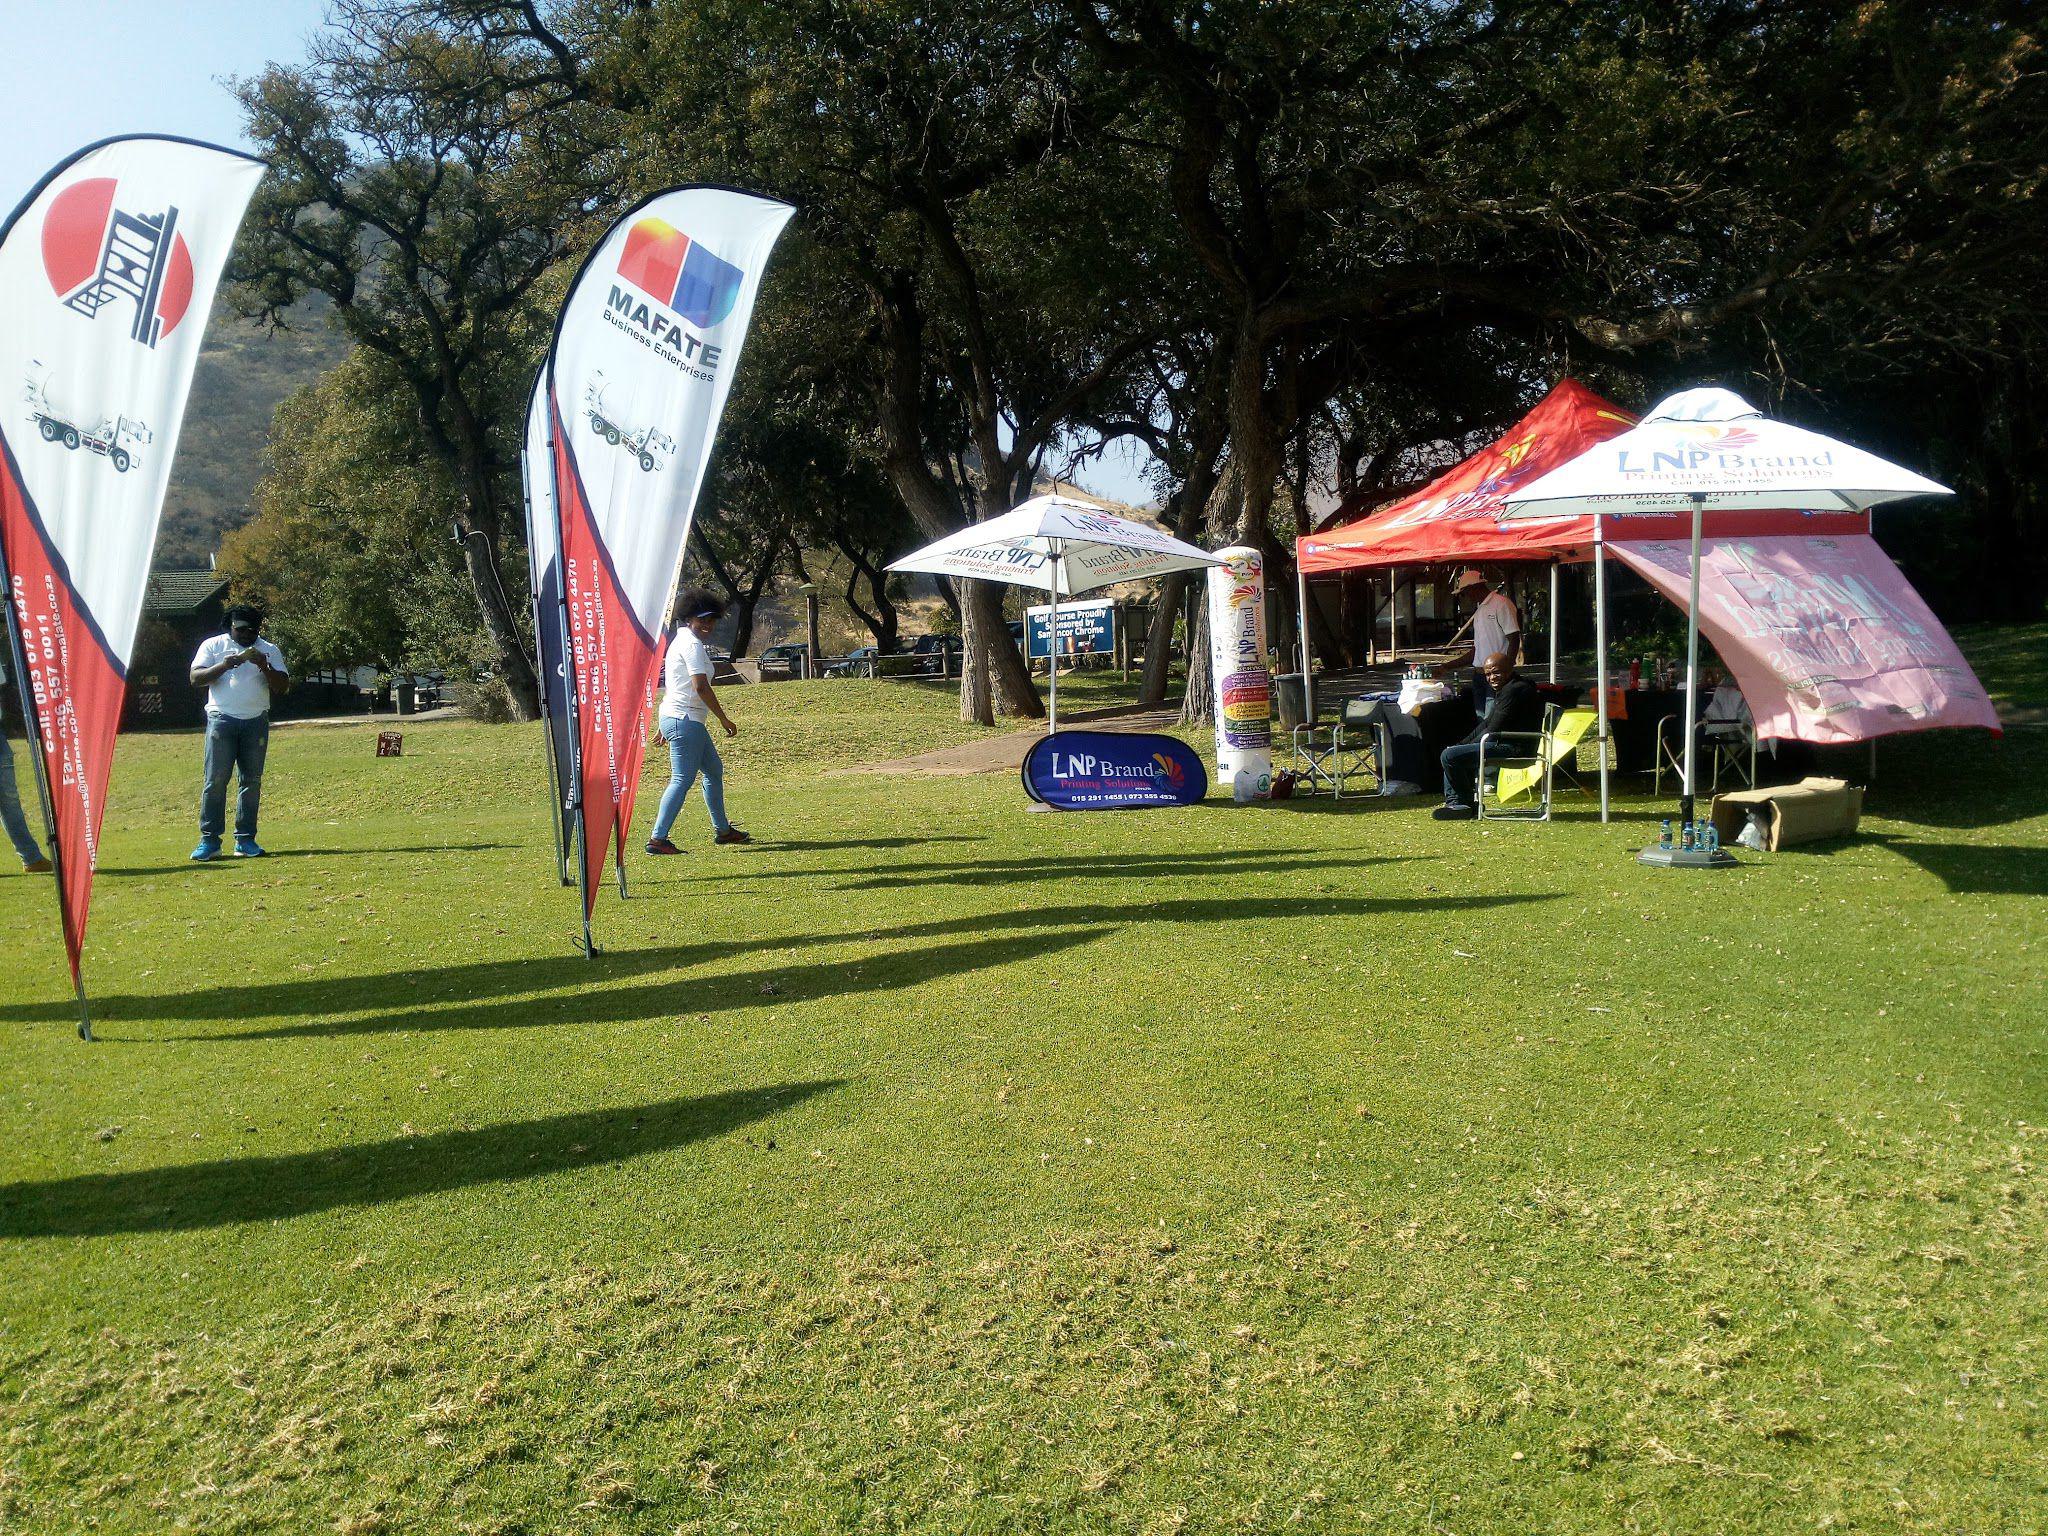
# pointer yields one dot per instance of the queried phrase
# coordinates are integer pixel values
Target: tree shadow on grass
(1970, 869)
(1119, 866)
(768, 987)
(826, 844)
(190, 1196)
(226, 859)
(329, 996)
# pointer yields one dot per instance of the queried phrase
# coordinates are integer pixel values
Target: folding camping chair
(1718, 744)
(1331, 756)
(1531, 774)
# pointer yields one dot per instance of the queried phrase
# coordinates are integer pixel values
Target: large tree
(409, 184)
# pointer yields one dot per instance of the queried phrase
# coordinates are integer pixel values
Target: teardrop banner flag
(107, 273)
(644, 356)
(544, 567)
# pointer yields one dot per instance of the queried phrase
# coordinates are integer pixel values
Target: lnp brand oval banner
(1113, 771)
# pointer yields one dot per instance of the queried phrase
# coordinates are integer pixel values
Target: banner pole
(32, 729)
(547, 728)
(575, 805)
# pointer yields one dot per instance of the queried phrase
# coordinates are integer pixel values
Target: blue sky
(76, 71)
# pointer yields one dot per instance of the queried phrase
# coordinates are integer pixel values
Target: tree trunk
(480, 559)
(977, 704)
(1157, 672)
(993, 680)
(743, 605)
(1198, 703)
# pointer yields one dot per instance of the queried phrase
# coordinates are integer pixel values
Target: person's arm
(278, 678)
(702, 683)
(207, 676)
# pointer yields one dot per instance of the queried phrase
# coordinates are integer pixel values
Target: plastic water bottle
(1664, 834)
(1713, 839)
(1685, 843)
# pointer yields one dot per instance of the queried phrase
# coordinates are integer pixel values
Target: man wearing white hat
(1496, 631)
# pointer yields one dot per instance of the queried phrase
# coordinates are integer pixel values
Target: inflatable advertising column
(1244, 688)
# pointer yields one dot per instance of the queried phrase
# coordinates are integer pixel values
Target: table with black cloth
(1635, 732)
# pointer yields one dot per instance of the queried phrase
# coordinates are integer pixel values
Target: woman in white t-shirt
(687, 702)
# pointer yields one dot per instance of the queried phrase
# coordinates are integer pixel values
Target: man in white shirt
(241, 672)
(1496, 631)
(687, 702)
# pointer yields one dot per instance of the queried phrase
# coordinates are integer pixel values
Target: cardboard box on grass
(1807, 812)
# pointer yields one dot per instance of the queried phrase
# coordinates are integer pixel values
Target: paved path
(1005, 754)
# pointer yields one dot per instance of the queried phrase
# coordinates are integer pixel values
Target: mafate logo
(663, 262)
(96, 253)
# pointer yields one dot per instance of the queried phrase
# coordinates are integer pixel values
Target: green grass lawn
(937, 1167)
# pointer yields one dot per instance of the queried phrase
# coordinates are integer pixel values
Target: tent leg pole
(1553, 621)
(1308, 670)
(1600, 652)
(1692, 654)
(1394, 614)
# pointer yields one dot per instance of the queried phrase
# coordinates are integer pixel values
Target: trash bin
(1289, 702)
(407, 698)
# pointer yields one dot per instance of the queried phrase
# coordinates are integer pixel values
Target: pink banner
(1826, 639)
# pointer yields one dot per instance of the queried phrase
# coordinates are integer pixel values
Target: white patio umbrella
(1703, 448)
(1059, 547)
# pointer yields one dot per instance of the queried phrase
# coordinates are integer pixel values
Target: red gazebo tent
(1455, 519)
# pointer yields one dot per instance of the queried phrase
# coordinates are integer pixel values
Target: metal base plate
(1687, 858)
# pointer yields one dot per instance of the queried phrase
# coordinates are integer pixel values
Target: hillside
(243, 372)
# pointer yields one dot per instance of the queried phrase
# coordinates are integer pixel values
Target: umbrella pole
(1692, 654)
(1600, 651)
(1052, 641)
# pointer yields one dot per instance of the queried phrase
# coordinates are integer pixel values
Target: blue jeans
(1461, 772)
(10, 808)
(691, 751)
(240, 746)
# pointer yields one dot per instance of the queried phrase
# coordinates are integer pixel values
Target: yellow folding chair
(1530, 776)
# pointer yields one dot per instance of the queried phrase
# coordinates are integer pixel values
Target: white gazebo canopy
(1058, 546)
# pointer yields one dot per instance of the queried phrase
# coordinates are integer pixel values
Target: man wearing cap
(688, 701)
(241, 672)
(1496, 631)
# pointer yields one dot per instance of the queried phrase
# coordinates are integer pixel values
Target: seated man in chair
(1516, 706)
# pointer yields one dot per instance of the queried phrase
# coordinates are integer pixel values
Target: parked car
(783, 661)
(937, 654)
(862, 661)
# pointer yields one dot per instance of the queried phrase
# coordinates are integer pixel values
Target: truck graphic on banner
(118, 439)
(647, 444)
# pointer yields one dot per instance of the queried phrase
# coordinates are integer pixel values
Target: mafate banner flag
(644, 357)
(107, 273)
(544, 567)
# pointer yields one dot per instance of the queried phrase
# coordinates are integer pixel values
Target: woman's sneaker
(659, 845)
(731, 835)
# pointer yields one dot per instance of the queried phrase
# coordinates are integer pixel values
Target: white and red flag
(644, 356)
(107, 273)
